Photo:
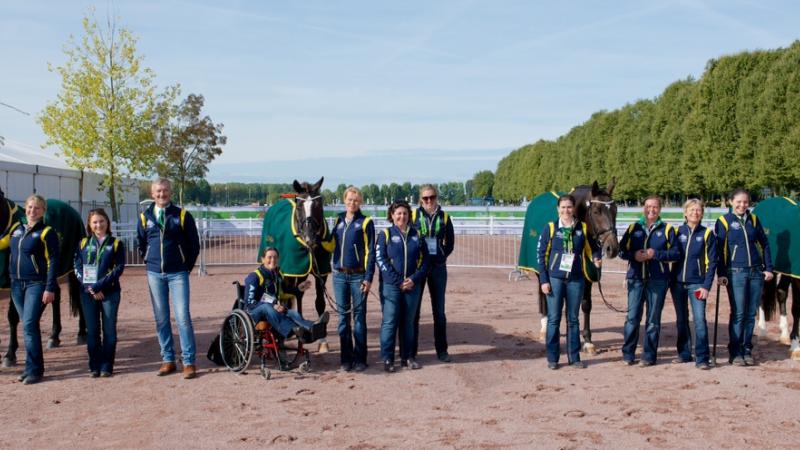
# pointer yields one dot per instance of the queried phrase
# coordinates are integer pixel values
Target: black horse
(596, 208)
(776, 292)
(296, 227)
(69, 226)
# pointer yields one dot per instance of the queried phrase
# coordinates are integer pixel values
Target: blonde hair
(428, 187)
(38, 199)
(693, 202)
(354, 190)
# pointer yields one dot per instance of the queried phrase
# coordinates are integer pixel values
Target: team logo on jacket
(659, 233)
(638, 233)
(396, 239)
(578, 233)
(415, 238)
(736, 225)
(683, 238)
(150, 223)
(17, 232)
(358, 226)
(699, 239)
(559, 234)
(35, 235)
(341, 225)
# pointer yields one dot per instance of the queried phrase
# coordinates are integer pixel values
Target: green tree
(189, 143)
(482, 183)
(103, 117)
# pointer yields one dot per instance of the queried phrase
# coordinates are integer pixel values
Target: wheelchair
(241, 340)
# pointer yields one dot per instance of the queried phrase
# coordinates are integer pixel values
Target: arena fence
(480, 242)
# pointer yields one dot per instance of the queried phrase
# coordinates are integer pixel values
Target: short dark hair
(737, 191)
(394, 206)
(274, 249)
(566, 197)
(97, 212)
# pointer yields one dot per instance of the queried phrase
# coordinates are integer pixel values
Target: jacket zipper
(686, 253)
(161, 244)
(553, 263)
(699, 270)
(180, 250)
(35, 266)
(355, 250)
(19, 252)
(405, 256)
(344, 241)
(746, 243)
(733, 254)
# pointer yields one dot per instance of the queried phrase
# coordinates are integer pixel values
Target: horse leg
(586, 306)
(795, 334)
(761, 323)
(74, 287)
(55, 332)
(10, 358)
(782, 294)
(319, 304)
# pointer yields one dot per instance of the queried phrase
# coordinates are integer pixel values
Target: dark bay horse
(596, 208)
(69, 226)
(776, 292)
(296, 226)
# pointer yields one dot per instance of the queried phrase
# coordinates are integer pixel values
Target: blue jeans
(744, 293)
(280, 322)
(571, 291)
(682, 295)
(27, 298)
(353, 342)
(436, 280)
(398, 313)
(641, 292)
(162, 285)
(101, 315)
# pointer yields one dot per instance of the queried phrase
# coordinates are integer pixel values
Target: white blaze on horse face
(307, 206)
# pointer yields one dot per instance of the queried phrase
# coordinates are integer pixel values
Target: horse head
(601, 217)
(309, 218)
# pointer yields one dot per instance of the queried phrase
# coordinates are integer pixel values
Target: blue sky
(348, 89)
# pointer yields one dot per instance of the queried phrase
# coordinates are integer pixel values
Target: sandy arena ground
(497, 393)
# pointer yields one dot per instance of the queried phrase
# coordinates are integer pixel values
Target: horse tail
(74, 289)
(768, 298)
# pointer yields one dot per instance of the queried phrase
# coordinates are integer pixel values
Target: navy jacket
(741, 246)
(264, 284)
(355, 244)
(698, 256)
(34, 253)
(662, 239)
(173, 248)
(109, 258)
(438, 226)
(401, 256)
(551, 248)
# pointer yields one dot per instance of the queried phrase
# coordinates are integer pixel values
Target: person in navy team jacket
(99, 262)
(403, 260)
(648, 245)
(692, 276)
(744, 263)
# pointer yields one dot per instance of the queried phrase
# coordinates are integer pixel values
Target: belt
(350, 271)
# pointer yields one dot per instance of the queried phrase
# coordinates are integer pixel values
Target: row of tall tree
(738, 125)
(110, 117)
(235, 194)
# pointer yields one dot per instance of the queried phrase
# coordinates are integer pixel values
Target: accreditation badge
(431, 243)
(90, 273)
(566, 262)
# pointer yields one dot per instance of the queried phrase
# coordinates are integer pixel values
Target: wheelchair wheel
(237, 341)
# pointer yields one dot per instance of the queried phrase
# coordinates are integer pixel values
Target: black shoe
(104, 374)
(403, 363)
(552, 365)
(413, 364)
(738, 361)
(359, 367)
(749, 360)
(324, 318)
(703, 366)
(388, 366)
(578, 365)
(32, 379)
(346, 367)
(628, 362)
(22, 377)
(646, 363)
(444, 357)
(94, 374)
(304, 335)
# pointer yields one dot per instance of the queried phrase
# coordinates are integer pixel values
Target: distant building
(25, 170)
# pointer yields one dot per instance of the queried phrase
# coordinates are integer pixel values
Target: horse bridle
(309, 219)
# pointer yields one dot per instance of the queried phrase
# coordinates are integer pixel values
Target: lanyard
(97, 248)
(425, 224)
(566, 233)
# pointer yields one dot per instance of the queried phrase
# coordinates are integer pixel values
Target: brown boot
(189, 372)
(166, 369)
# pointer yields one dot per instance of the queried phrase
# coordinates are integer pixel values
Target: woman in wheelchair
(267, 298)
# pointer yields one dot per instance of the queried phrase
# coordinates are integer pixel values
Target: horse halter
(599, 233)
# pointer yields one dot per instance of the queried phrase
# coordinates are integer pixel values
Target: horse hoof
(323, 347)
(9, 362)
(589, 348)
(53, 343)
(81, 340)
(785, 340)
(796, 355)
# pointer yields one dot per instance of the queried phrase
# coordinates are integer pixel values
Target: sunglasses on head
(429, 198)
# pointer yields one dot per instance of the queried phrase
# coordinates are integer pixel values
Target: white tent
(25, 169)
